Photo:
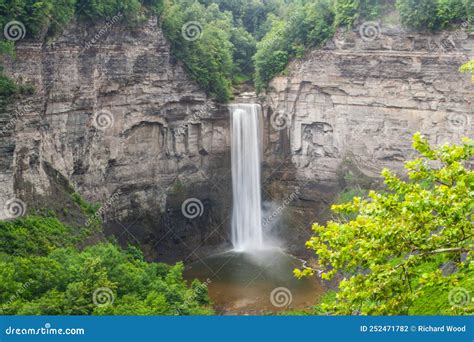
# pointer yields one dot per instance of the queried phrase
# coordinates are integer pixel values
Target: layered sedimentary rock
(113, 112)
(346, 111)
(114, 115)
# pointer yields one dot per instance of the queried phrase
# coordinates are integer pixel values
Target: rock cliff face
(348, 110)
(115, 114)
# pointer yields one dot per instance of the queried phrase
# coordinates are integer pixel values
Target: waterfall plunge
(247, 206)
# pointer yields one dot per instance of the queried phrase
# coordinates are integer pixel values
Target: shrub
(468, 67)
(469, 8)
(347, 12)
(44, 273)
(307, 25)
(101, 9)
(350, 11)
(450, 11)
(70, 282)
(418, 14)
(207, 56)
(394, 244)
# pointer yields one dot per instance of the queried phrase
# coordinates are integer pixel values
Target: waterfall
(247, 206)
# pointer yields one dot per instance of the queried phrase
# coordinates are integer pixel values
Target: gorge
(186, 177)
(350, 117)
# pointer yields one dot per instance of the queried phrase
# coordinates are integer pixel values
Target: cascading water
(254, 269)
(247, 206)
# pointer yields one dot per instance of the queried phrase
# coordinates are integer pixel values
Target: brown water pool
(255, 283)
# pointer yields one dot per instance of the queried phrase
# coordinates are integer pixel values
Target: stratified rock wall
(119, 114)
(115, 115)
(346, 111)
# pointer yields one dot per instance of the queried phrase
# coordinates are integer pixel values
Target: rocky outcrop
(346, 111)
(114, 113)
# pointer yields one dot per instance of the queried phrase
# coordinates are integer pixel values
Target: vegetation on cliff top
(224, 42)
(309, 24)
(408, 250)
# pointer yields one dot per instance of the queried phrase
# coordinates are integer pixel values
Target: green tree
(101, 9)
(418, 14)
(450, 11)
(468, 67)
(44, 272)
(350, 11)
(272, 56)
(204, 48)
(249, 14)
(244, 47)
(65, 281)
(347, 12)
(469, 6)
(306, 24)
(390, 247)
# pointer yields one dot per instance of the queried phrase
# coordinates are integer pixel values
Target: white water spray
(247, 206)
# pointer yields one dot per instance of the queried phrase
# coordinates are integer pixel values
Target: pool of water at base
(262, 282)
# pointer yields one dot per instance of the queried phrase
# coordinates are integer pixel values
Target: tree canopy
(236, 40)
(395, 248)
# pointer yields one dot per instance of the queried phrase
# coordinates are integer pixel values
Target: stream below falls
(241, 283)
